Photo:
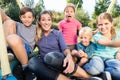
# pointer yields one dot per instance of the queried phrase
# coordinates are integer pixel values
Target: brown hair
(70, 5)
(38, 26)
(109, 18)
(25, 10)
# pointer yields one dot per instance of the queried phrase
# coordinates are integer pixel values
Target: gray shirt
(27, 34)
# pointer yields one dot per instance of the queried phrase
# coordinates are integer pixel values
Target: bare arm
(68, 62)
(107, 42)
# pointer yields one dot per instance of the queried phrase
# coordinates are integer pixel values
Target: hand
(74, 53)
(118, 56)
(81, 53)
(69, 63)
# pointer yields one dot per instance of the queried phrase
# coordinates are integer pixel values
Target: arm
(68, 62)
(106, 42)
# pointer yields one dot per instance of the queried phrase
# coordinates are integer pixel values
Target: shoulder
(62, 21)
(77, 22)
(56, 32)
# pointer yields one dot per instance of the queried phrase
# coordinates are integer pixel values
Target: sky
(58, 5)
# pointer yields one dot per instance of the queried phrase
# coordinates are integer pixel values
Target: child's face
(27, 19)
(69, 13)
(85, 39)
(45, 22)
(104, 26)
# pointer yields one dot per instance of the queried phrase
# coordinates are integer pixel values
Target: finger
(65, 62)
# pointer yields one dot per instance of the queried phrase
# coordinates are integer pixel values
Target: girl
(105, 57)
(69, 26)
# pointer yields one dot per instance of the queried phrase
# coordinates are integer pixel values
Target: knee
(32, 63)
(13, 40)
(95, 66)
(54, 59)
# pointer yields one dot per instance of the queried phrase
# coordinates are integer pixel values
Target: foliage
(82, 17)
(77, 3)
(117, 22)
(11, 8)
(102, 6)
(116, 11)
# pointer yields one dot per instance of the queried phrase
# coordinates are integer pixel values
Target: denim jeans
(43, 71)
(113, 66)
(95, 66)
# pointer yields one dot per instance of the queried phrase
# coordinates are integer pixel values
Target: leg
(113, 66)
(83, 61)
(15, 42)
(51, 60)
(37, 66)
(9, 27)
(95, 66)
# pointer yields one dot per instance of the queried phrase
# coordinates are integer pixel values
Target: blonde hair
(109, 18)
(70, 5)
(86, 30)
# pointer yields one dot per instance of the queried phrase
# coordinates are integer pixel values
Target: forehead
(45, 16)
(103, 20)
(28, 14)
(69, 8)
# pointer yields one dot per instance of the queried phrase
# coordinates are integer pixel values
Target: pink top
(69, 30)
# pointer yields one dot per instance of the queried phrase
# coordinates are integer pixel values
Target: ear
(20, 17)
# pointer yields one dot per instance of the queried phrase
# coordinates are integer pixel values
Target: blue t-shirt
(105, 51)
(87, 49)
(54, 42)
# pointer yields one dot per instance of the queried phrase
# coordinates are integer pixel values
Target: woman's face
(27, 19)
(45, 22)
(104, 26)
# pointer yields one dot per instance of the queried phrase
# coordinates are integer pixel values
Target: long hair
(39, 30)
(109, 18)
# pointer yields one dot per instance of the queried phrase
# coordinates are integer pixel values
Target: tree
(11, 8)
(102, 6)
(82, 17)
(77, 3)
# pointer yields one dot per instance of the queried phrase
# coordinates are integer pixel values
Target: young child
(21, 41)
(69, 26)
(85, 47)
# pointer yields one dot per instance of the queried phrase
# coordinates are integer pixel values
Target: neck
(47, 32)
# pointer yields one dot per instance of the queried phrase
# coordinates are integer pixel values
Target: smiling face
(85, 39)
(69, 13)
(27, 19)
(45, 22)
(104, 26)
